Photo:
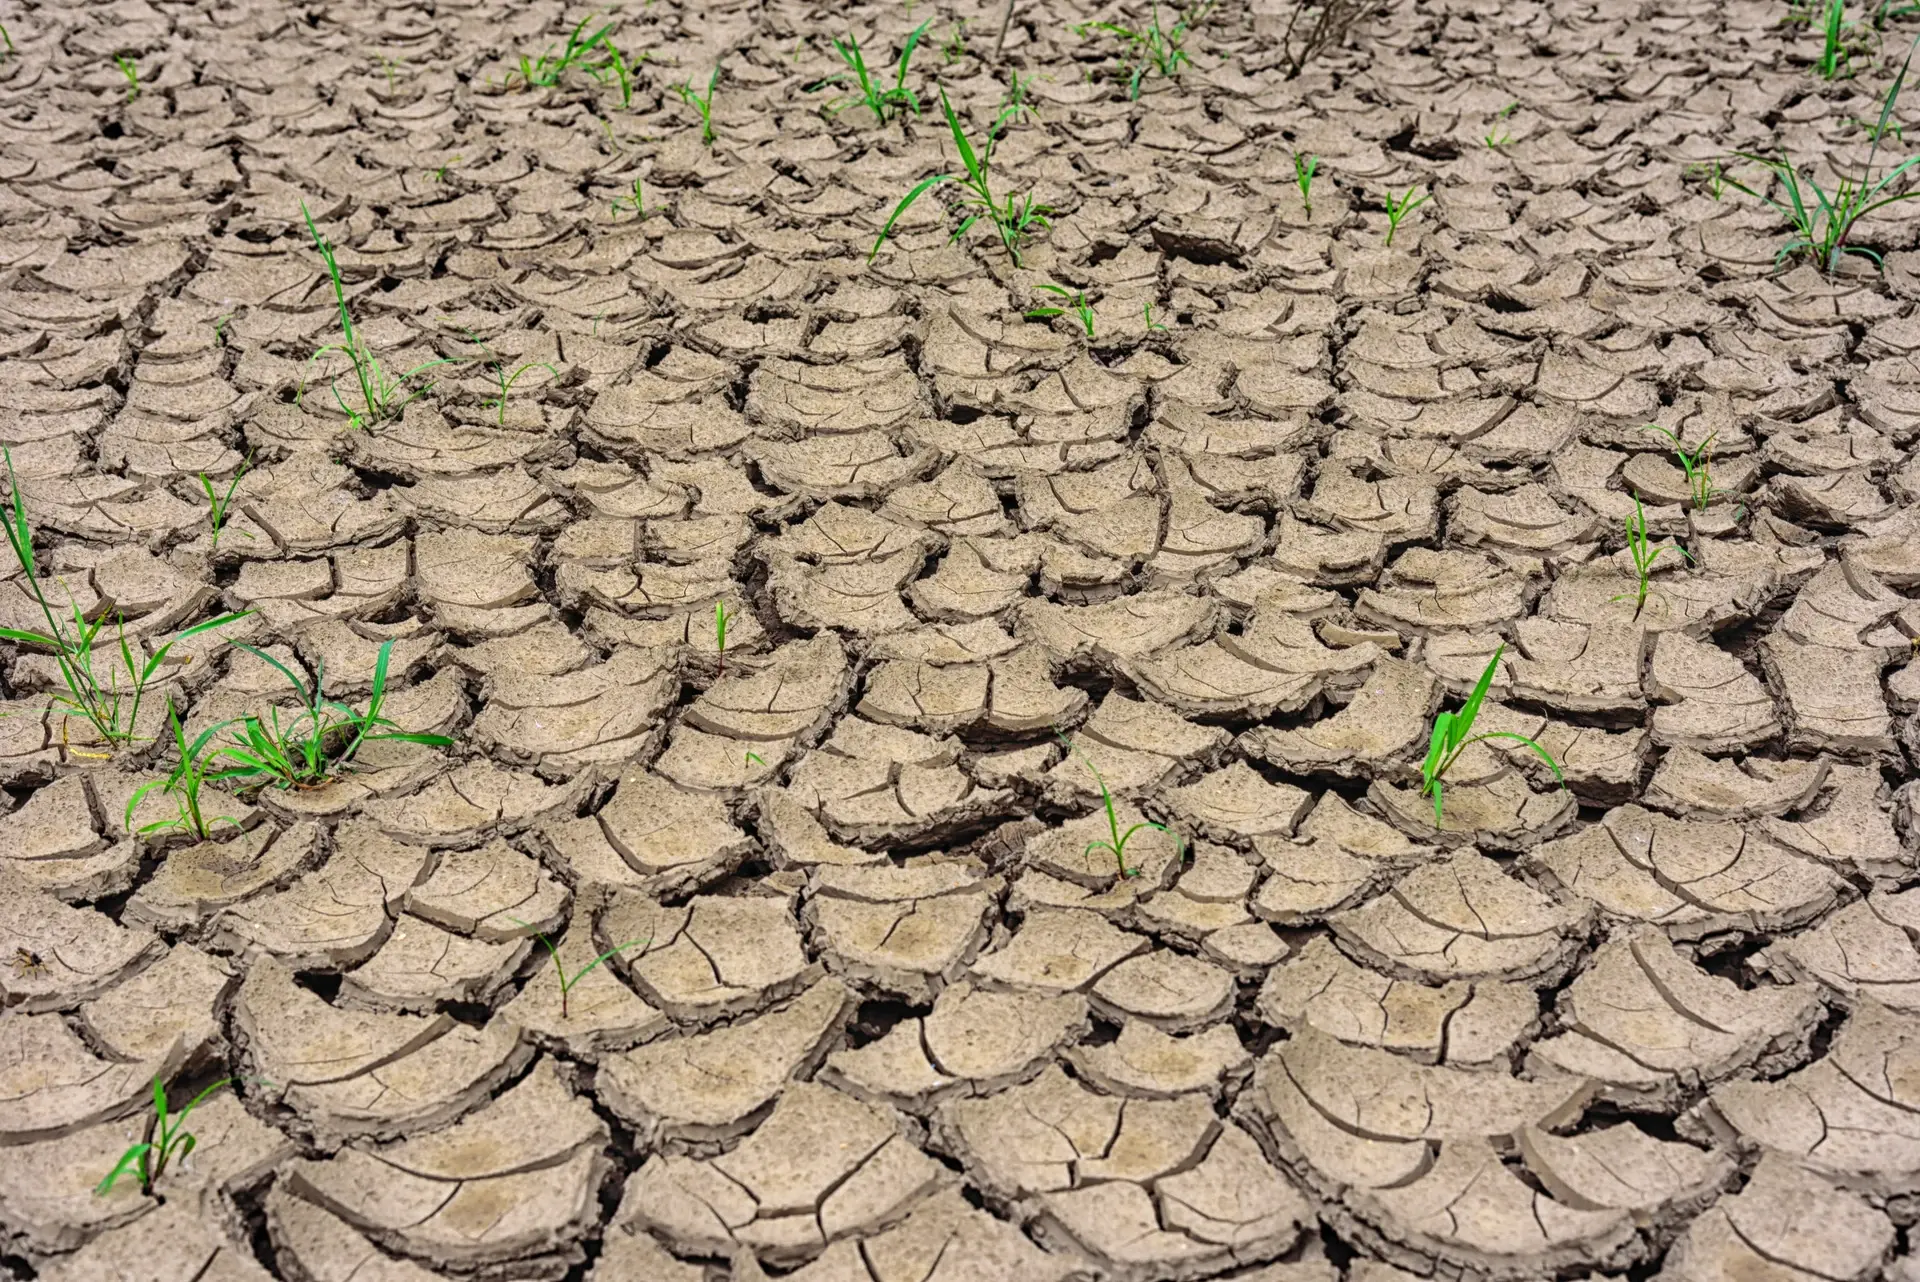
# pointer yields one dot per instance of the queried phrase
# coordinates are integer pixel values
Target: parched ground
(882, 1015)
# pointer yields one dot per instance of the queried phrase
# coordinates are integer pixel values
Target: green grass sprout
(167, 1139)
(1304, 167)
(1082, 310)
(217, 504)
(131, 70)
(317, 743)
(637, 202)
(1398, 209)
(1644, 554)
(1152, 324)
(955, 47)
(546, 70)
(1834, 55)
(195, 768)
(377, 390)
(720, 620)
(566, 984)
(503, 380)
(704, 106)
(1697, 465)
(1154, 48)
(1453, 735)
(1822, 223)
(1011, 220)
(110, 702)
(1116, 840)
(873, 95)
(1496, 140)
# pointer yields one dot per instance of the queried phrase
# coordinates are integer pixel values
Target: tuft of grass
(194, 769)
(388, 64)
(637, 202)
(1077, 302)
(1011, 220)
(1453, 734)
(1496, 136)
(167, 1139)
(1304, 167)
(1644, 554)
(955, 47)
(566, 983)
(1821, 224)
(1014, 105)
(217, 504)
(691, 96)
(1154, 47)
(317, 743)
(621, 68)
(1399, 208)
(379, 392)
(546, 70)
(131, 70)
(1116, 841)
(1697, 465)
(108, 700)
(873, 95)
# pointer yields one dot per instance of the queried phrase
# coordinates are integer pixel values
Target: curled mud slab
(803, 950)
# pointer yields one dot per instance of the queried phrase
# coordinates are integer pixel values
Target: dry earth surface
(888, 1019)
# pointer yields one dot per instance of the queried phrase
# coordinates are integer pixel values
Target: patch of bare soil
(904, 789)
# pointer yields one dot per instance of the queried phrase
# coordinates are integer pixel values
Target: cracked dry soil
(883, 1016)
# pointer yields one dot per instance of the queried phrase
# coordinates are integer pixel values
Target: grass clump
(167, 1139)
(873, 94)
(1497, 136)
(1399, 207)
(380, 393)
(1077, 303)
(105, 677)
(1154, 47)
(1641, 548)
(315, 744)
(1012, 220)
(703, 105)
(1823, 220)
(194, 769)
(1453, 734)
(503, 380)
(1115, 841)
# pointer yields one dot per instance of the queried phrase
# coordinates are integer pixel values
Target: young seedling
(503, 380)
(1453, 734)
(702, 105)
(1116, 841)
(131, 71)
(316, 744)
(1644, 554)
(440, 174)
(1822, 220)
(720, 620)
(108, 701)
(637, 202)
(1152, 324)
(1497, 137)
(872, 95)
(1398, 209)
(8, 37)
(622, 69)
(1082, 310)
(955, 47)
(1154, 48)
(754, 758)
(217, 504)
(1014, 105)
(167, 1139)
(566, 984)
(1697, 465)
(378, 391)
(388, 64)
(1709, 176)
(195, 769)
(1304, 166)
(1011, 220)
